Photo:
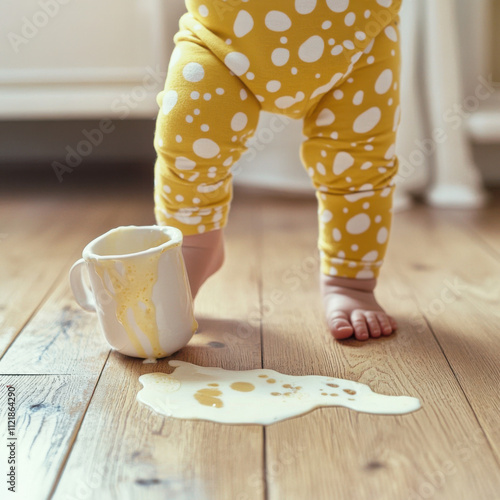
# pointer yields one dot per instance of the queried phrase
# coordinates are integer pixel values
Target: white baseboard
(83, 101)
(484, 124)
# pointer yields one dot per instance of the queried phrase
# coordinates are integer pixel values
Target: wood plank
(25, 278)
(61, 331)
(481, 225)
(457, 287)
(57, 359)
(442, 454)
(437, 452)
(48, 413)
(142, 454)
(43, 236)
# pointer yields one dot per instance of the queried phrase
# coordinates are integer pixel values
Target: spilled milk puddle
(257, 396)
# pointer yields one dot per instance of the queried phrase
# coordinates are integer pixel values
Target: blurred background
(78, 82)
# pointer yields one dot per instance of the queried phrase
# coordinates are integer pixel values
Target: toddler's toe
(393, 323)
(373, 324)
(385, 323)
(359, 323)
(353, 311)
(340, 326)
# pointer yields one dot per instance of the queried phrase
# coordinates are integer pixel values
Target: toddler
(334, 64)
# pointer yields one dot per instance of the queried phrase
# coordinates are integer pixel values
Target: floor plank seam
(260, 287)
(264, 462)
(65, 459)
(497, 459)
(33, 374)
(260, 255)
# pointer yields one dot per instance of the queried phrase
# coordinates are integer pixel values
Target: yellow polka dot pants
(334, 64)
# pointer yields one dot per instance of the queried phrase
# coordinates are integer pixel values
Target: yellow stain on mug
(245, 397)
(132, 290)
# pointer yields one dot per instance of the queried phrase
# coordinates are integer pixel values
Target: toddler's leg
(206, 116)
(350, 155)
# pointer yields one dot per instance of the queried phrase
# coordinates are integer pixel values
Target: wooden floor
(82, 434)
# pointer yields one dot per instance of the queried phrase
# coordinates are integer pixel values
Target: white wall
(103, 50)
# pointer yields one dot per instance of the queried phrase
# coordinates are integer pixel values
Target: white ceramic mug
(139, 289)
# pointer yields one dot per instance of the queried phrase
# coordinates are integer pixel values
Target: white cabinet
(75, 59)
(67, 60)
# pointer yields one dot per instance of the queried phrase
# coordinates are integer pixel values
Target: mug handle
(83, 294)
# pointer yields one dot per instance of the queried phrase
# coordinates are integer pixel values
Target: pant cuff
(340, 268)
(193, 220)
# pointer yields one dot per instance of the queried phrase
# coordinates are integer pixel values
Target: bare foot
(351, 309)
(203, 255)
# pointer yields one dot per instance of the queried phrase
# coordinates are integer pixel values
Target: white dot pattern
(313, 59)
